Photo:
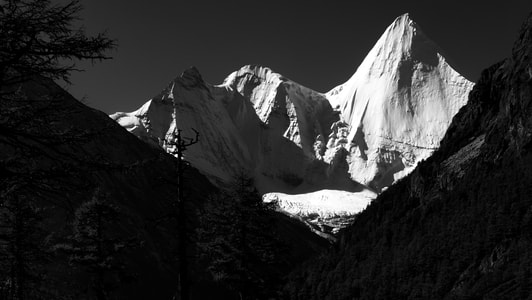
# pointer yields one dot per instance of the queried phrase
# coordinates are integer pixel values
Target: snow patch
(330, 210)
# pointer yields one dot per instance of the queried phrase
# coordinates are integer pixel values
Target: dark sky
(316, 43)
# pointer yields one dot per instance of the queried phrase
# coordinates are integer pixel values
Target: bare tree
(180, 145)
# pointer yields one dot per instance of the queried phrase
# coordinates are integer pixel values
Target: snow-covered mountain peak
(296, 112)
(260, 84)
(398, 104)
(404, 21)
(251, 74)
(403, 28)
(402, 44)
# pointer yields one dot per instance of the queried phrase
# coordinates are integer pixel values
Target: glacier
(322, 157)
(325, 211)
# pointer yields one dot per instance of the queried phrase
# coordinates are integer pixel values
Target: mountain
(257, 121)
(359, 138)
(459, 226)
(397, 106)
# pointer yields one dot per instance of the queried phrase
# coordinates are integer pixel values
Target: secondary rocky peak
(251, 73)
(190, 77)
(250, 77)
(259, 71)
(191, 72)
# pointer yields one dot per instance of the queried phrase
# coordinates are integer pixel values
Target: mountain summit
(356, 140)
(398, 104)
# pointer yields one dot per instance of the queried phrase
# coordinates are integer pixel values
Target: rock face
(292, 117)
(459, 226)
(360, 137)
(397, 106)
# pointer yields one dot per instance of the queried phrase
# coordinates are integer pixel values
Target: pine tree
(22, 249)
(38, 39)
(236, 241)
(94, 246)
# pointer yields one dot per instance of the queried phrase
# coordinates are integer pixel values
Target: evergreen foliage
(240, 250)
(22, 248)
(97, 247)
(39, 39)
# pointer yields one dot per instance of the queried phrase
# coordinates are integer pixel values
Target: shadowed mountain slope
(55, 152)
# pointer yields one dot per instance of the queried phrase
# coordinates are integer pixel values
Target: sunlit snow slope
(326, 211)
(256, 121)
(397, 106)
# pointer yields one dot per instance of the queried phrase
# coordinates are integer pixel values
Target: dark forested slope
(87, 210)
(460, 226)
(56, 156)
